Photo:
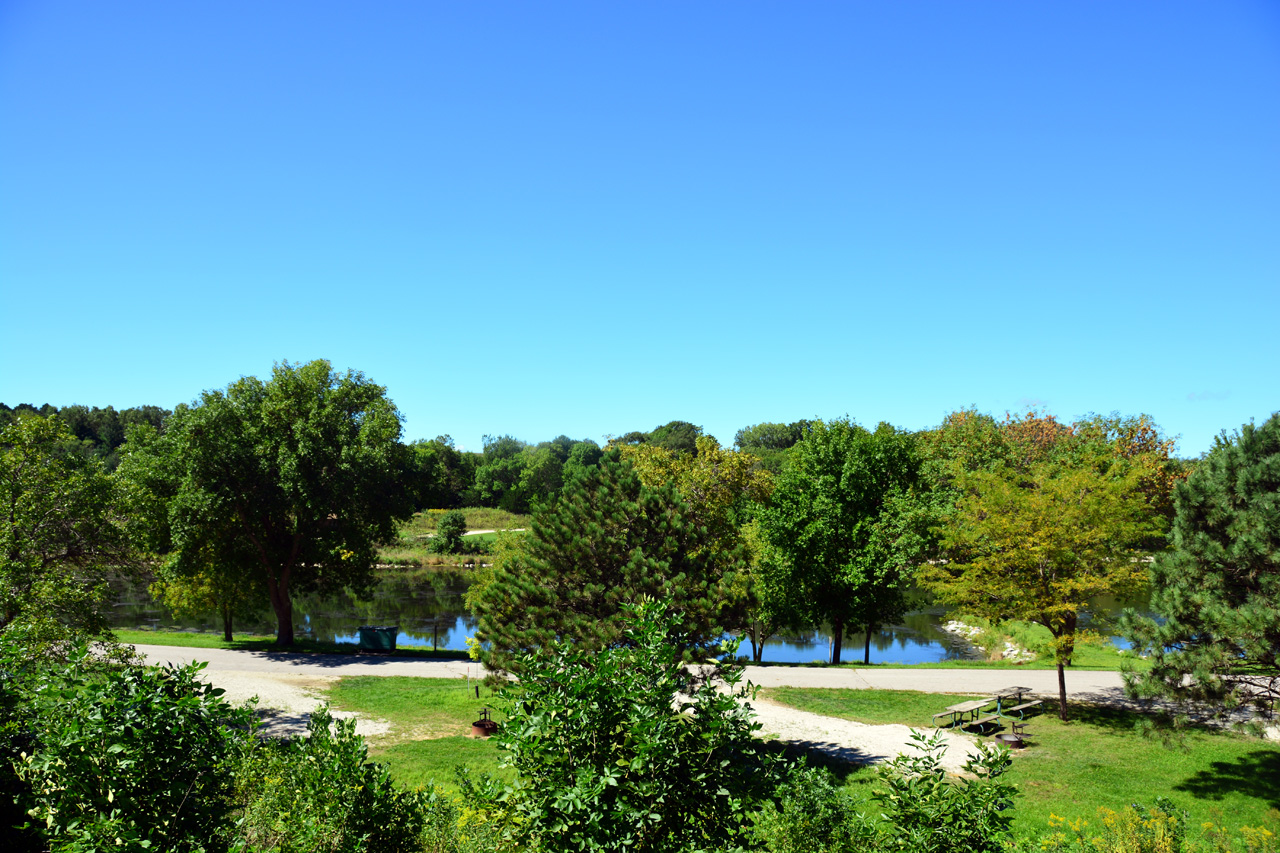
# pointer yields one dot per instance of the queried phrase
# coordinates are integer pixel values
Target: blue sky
(589, 218)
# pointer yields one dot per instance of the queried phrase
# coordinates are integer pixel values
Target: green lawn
(430, 725)
(1096, 760)
(266, 643)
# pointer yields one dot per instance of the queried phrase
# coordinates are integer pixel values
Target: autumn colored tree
(724, 490)
(1038, 543)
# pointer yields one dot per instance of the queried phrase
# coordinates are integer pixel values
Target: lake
(430, 614)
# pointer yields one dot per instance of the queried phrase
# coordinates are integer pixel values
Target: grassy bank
(1096, 760)
(413, 547)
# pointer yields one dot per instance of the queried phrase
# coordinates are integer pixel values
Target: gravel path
(293, 685)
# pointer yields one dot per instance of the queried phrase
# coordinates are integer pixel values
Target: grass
(478, 518)
(1096, 760)
(267, 643)
(1102, 661)
(430, 725)
(414, 545)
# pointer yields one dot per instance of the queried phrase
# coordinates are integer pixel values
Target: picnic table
(1018, 706)
(959, 711)
(1014, 693)
(971, 713)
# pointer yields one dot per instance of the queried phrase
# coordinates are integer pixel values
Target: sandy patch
(287, 700)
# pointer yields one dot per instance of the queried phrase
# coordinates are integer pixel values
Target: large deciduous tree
(1039, 543)
(839, 519)
(62, 530)
(295, 480)
(604, 542)
(1218, 587)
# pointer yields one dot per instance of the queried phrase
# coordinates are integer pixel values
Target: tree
(62, 531)
(831, 519)
(1218, 587)
(606, 541)
(770, 442)
(724, 490)
(299, 478)
(228, 588)
(583, 455)
(1038, 544)
(449, 532)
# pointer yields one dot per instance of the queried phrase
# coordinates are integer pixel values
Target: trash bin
(380, 638)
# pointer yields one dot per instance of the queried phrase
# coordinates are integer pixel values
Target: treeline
(97, 432)
(517, 476)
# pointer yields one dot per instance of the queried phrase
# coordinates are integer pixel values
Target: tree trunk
(837, 637)
(226, 622)
(866, 650)
(283, 606)
(1062, 692)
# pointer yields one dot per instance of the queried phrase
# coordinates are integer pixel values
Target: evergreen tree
(1218, 587)
(604, 543)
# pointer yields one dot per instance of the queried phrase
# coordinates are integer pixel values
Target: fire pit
(483, 727)
(1011, 740)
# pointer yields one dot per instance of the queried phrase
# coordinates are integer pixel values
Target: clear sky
(588, 218)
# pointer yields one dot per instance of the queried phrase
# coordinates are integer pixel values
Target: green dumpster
(380, 638)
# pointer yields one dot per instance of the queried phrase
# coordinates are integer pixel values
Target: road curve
(1083, 685)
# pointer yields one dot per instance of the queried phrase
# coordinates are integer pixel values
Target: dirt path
(294, 685)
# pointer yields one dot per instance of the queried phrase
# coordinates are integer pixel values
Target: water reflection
(428, 608)
(919, 639)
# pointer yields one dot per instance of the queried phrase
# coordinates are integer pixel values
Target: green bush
(917, 809)
(127, 758)
(320, 794)
(623, 749)
(925, 812)
(812, 815)
(449, 532)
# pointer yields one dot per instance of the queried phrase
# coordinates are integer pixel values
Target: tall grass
(413, 547)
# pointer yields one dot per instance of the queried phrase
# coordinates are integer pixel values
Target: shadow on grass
(816, 755)
(348, 652)
(1255, 775)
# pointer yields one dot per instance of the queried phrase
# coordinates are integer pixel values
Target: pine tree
(1218, 587)
(607, 541)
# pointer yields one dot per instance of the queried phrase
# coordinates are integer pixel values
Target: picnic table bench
(1021, 710)
(977, 716)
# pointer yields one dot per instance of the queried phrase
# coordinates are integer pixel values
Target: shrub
(812, 815)
(449, 532)
(623, 749)
(128, 757)
(918, 809)
(924, 812)
(319, 793)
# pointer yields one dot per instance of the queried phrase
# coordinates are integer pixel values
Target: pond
(428, 608)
